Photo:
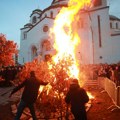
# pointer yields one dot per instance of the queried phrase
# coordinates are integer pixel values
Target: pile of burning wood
(50, 102)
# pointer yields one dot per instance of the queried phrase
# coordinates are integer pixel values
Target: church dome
(36, 11)
(59, 2)
(112, 17)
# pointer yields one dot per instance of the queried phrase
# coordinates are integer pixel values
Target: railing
(111, 89)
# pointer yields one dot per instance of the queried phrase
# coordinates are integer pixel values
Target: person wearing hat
(29, 95)
(77, 97)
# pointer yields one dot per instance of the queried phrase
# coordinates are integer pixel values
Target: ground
(100, 110)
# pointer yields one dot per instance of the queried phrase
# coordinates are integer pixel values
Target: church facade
(99, 34)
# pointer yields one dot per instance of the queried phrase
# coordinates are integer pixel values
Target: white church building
(99, 33)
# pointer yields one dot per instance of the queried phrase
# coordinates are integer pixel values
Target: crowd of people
(8, 74)
(111, 71)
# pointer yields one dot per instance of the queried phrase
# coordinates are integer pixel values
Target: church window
(24, 35)
(34, 52)
(45, 28)
(34, 20)
(99, 31)
(23, 60)
(45, 15)
(116, 25)
(110, 24)
(46, 45)
(51, 14)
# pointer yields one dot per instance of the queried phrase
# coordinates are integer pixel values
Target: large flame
(66, 36)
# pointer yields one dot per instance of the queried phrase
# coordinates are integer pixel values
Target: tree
(51, 97)
(7, 51)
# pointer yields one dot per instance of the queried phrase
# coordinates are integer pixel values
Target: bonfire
(63, 66)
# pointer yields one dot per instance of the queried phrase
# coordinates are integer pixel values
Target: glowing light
(66, 38)
(90, 95)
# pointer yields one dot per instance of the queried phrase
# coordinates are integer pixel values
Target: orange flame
(65, 31)
(90, 95)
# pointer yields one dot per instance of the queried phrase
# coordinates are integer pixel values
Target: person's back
(77, 97)
(31, 90)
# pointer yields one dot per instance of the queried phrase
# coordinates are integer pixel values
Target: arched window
(33, 52)
(51, 14)
(116, 25)
(34, 20)
(45, 15)
(46, 45)
(110, 25)
(24, 35)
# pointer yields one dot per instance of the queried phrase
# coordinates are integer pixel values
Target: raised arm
(43, 83)
(18, 87)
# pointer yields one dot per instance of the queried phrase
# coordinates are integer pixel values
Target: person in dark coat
(29, 95)
(77, 97)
